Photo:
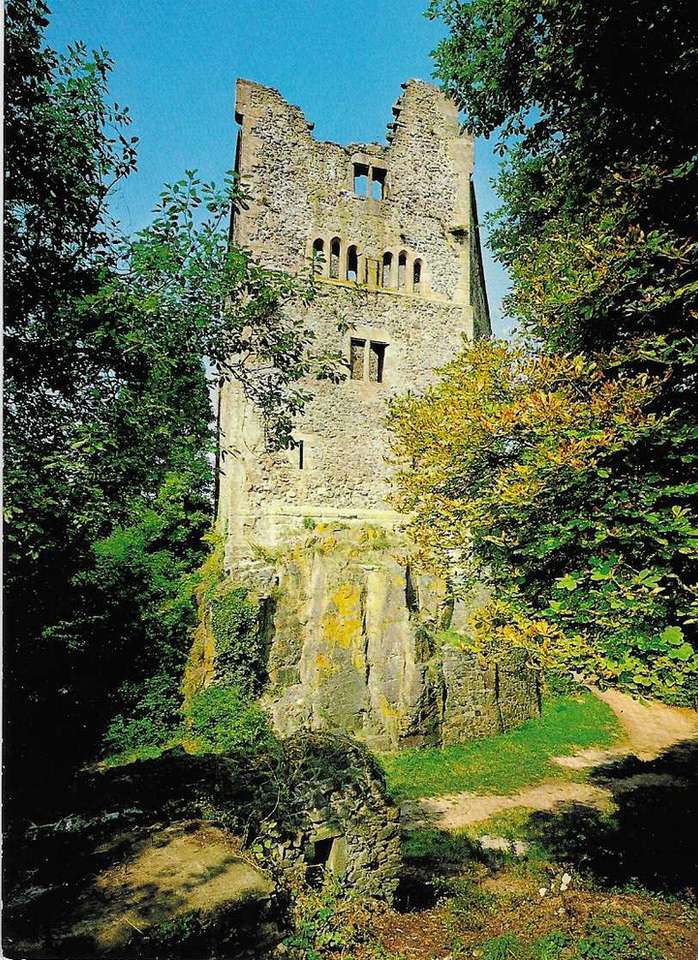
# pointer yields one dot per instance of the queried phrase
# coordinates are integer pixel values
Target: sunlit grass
(511, 761)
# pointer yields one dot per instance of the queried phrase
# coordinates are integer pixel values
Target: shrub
(223, 721)
(240, 644)
(559, 684)
(152, 720)
(233, 617)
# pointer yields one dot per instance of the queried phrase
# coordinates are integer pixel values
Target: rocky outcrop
(356, 647)
(351, 646)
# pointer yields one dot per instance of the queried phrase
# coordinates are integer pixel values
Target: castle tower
(352, 632)
(397, 228)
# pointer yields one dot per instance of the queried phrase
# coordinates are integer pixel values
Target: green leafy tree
(566, 480)
(519, 472)
(112, 346)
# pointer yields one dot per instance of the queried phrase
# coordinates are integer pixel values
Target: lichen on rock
(354, 645)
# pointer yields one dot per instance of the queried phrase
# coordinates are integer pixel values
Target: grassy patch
(510, 824)
(511, 761)
(611, 942)
(425, 847)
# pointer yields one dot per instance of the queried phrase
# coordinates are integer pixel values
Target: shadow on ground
(652, 836)
(650, 839)
(432, 858)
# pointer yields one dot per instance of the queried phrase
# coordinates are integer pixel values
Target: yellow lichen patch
(327, 544)
(387, 709)
(358, 660)
(344, 624)
(323, 662)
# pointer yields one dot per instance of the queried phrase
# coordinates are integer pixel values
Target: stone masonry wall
(484, 700)
(302, 194)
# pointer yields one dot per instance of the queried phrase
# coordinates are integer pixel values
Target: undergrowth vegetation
(600, 941)
(486, 906)
(216, 713)
(223, 720)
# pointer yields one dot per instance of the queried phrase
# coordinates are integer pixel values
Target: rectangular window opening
(376, 362)
(301, 454)
(378, 183)
(360, 180)
(356, 359)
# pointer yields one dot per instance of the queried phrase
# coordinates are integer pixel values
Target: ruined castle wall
(482, 700)
(303, 193)
(392, 233)
(345, 453)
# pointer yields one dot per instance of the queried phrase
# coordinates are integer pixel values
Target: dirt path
(650, 728)
(460, 809)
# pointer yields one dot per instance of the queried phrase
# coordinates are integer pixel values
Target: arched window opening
(417, 276)
(387, 273)
(401, 269)
(318, 255)
(335, 249)
(352, 264)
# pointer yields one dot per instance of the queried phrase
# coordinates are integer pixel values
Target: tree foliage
(530, 474)
(561, 470)
(113, 344)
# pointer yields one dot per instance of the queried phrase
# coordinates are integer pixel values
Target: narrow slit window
(301, 455)
(335, 250)
(401, 270)
(387, 273)
(376, 362)
(318, 255)
(377, 183)
(417, 276)
(352, 264)
(356, 359)
(360, 180)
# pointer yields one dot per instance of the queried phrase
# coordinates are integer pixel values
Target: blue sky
(177, 61)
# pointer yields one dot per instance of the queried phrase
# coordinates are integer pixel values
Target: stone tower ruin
(396, 227)
(353, 632)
